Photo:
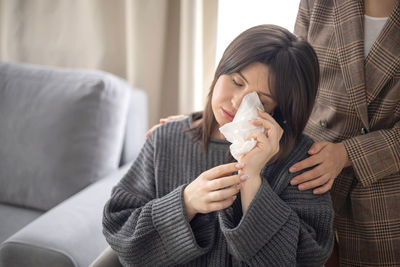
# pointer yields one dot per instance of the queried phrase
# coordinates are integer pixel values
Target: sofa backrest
(60, 130)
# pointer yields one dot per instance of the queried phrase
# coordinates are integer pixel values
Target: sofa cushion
(60, 131)
(14, 218)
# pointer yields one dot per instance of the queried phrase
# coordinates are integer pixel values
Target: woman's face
(230, 89)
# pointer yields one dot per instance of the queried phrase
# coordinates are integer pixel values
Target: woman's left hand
(267, 145)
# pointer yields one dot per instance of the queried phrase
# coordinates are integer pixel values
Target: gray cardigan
(144, 221)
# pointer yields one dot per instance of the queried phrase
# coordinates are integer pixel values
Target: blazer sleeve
(145, 230)
(303, 19)
(375, 155)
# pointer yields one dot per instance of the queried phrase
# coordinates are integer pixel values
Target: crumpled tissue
(239, 130)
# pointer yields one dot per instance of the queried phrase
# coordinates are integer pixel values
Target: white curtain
(165, 47)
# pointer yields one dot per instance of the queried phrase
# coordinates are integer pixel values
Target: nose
(237, 98)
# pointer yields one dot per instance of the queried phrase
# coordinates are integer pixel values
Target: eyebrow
(244, 78)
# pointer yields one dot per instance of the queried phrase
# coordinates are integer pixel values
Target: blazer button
(363, 130)
(323, 123)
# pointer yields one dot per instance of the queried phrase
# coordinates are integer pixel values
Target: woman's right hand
(164, 120)
(215, 189)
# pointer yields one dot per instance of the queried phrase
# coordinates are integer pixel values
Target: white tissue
(239, 130)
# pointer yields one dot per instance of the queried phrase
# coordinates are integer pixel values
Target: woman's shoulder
(304, 140)
(298, 152)
(280, 168)
(172, 131)
(301, 147)
(279, 176)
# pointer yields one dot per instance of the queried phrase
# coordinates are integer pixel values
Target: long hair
(293, 79)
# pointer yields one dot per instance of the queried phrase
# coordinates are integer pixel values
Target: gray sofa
(66, 138)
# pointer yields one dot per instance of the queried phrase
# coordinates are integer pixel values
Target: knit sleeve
(277, 233)
(145, 230)
(292, 228)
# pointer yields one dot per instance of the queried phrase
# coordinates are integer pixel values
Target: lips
(228, 115)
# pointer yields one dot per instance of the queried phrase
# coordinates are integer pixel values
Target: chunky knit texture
(145, 223)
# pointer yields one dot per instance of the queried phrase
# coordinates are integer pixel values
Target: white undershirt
(372, 29)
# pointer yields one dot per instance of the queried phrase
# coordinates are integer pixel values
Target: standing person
(356, 124)
(179, 204)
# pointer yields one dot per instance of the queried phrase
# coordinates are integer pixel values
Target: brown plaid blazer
(358, 102)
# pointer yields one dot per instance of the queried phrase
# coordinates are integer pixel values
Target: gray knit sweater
(145, 223)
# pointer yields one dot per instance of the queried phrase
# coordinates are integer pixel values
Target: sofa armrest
(70, 234)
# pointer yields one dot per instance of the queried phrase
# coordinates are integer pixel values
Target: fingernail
(301, 187)
(293, 182)
(244, 177)
(238, 186)
(239, 165)
(292, 169)
(234, 197)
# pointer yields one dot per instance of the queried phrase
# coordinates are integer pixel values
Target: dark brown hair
(293, 79)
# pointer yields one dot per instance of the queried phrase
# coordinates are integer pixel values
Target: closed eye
(265, 100)
(236, 83)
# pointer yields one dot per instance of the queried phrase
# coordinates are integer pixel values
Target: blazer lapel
(348, 20)
(384, 58)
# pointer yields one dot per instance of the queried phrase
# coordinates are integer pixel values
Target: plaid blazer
(358, 102)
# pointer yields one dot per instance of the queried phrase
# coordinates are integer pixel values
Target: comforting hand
(329, 159)
(164, 120)
(215, 189)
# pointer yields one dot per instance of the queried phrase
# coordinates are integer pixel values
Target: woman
(184, 202)
(356, 124)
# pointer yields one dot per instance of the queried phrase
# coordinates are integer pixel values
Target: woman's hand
(215, 189)
(267, 146)
(164, 120)
(329, 160)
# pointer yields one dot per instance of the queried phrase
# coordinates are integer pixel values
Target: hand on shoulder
(327, 160)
